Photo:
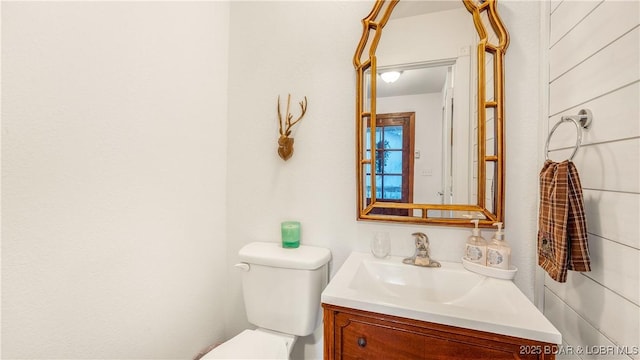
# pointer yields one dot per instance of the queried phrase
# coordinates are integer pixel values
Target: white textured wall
(113, 235)
(306, 48)
(593, 64)
(303, 48)
(113, 176)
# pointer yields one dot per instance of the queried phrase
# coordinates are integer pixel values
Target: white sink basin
(379, 278)
(449, 295)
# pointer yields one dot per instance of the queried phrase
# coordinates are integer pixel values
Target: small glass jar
(290, 234)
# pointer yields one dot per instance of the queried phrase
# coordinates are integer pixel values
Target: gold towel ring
(581, 121)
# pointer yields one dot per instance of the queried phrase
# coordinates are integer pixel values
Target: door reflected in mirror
(394, 165)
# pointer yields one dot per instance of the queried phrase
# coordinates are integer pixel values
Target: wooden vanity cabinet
(356, 334)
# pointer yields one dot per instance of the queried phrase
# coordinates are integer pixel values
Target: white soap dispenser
(498, 251)
(476, 249)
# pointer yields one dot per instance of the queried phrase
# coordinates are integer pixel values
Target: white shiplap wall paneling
(613, 115)
(566, 15)
(612, 68)
(592, 34)
(615, 265)
(554, 5)
(594, 63)
(613, 215)
(615, 317)
(576, 331)
(610, 166)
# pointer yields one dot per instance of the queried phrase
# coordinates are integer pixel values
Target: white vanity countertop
(450, 295)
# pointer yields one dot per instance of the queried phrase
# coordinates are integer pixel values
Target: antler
(288, 123)
(280, 116)
(303, 109)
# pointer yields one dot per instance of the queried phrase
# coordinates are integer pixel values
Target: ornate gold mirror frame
(492, 44)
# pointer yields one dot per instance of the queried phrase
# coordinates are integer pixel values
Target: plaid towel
(562, 228)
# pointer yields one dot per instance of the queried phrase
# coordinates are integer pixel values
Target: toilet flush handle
(242, 266)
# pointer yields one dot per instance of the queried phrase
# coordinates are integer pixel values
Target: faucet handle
(421, 256)
(420, 236)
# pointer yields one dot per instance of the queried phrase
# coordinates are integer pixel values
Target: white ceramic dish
(489, 271)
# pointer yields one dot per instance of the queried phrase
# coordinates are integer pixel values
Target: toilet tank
(282, 287)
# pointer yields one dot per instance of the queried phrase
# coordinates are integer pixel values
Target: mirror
(429, 99)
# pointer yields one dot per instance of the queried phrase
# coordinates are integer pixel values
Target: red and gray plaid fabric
(562, 226)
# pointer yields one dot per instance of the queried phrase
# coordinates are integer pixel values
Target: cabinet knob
(362, 342)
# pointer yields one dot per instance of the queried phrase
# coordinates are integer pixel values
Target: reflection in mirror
(431, 161)
(394, 160)
(434, 83)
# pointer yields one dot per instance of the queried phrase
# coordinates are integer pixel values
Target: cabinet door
(355, 334)
(363, 340)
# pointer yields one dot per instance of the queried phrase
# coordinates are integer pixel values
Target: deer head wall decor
(285, 143)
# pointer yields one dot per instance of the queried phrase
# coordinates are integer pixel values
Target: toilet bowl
(281, 290)
(254, 344)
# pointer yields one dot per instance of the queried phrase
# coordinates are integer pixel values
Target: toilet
(281, 289)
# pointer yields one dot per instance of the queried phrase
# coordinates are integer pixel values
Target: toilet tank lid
(273, 254)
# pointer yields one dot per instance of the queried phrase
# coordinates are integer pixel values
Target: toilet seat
(254, 344)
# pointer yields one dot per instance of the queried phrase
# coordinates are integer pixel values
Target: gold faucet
(421, 257)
